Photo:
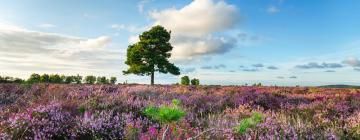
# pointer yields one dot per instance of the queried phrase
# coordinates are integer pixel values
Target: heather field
(59, 111)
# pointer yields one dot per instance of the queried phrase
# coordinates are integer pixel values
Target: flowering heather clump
(100, 125)
(42, 122)
(55, 111)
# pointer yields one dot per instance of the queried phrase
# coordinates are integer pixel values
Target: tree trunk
(152, 78)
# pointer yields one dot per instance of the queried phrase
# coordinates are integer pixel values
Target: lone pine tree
(151, 54)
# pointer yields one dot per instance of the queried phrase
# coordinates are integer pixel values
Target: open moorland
(80, 111)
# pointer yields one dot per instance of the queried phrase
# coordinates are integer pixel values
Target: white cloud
(133, 39)
(189, 48)
(354, 62)
(272, 9)
(20, 38)
(193, 28)
(118, 26)
(47, 25)
(96, 43)
(141, 5)
(129, 28)
(200, 17)
(23, 51)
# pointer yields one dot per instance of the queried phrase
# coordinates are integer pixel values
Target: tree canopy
(151, 54)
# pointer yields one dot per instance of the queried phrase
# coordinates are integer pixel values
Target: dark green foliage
(45, 78)
(113, 80)
(151, 54)
(8, 79)
(249, 122)
(34, 78)
(340, 86)
(185, 80)
(69, 79)
(195, 82)
(102, 80)
(17, 80)
(77, 79)
(90, 79)
(55, 78)
(257, 85)
(63, 78)
(166, 114)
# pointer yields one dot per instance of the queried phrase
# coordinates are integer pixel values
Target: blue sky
(276, 42)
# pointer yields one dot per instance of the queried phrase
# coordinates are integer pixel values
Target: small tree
(195, 82)
(34, 78)
(113, 80)
(151, 54)
(18, 80)
(45, 78)
(90, 79)
(69, 79)
(55, 78)
(77, 79)
(8, 79)
(62, 78)
(185, 80)
(102, 80)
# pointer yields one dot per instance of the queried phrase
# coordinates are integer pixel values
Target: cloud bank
(354, 62)
(27, 50)
(194, 27)
(314, 65)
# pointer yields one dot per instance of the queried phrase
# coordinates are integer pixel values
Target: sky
(221, 42)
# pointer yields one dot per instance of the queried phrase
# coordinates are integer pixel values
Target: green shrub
(249, 122)
(113, 80)
(185, 80)
(165, 114)
(90, 79)
(34, 78)
(102, 80)
(195, 82)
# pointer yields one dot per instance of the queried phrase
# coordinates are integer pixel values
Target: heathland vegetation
(73, 111)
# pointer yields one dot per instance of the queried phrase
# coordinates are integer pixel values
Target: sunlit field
(179, 70)
(59, 111)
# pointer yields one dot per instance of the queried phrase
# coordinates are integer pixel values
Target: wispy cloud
(250, 70)
(206, 67)
(272, 68)
(249, 39)
(258, 65)
(314, 65)
(330, 71)
(293, 77)
(129, 28)
(354, 62)
(141, 5)
(47, 25)
(280, 77)
(272, 9)
(220, 66)
(188, 70)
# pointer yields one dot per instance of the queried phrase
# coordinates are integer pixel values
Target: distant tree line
(185, 80)
(8, 79)
(60, 79)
